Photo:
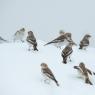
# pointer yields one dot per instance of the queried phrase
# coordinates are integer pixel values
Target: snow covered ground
(20, 72)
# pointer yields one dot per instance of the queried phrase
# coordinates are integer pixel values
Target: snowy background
(20, 71)
(47, 17)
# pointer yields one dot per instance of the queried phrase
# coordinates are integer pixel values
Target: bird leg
(88, 81)
(70, 59)
(35, 48)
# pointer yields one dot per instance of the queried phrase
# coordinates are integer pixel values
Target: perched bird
(19, 35)
(67, 51)
(84, 72)
(62, 39)
(31, 40)
(2, 40)
(85, 41)
(48, 73)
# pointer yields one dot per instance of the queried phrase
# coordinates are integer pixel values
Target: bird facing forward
(32, 41)
(85, 41)
(84, 72)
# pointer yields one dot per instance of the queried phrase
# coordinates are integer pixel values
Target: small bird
(85, 41)
(67, 51)
(2, 40)
(48, 73)
(19, 35)
(62, 39)
(32, 41)
(84, 72)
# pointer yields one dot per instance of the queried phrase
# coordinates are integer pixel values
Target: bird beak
(75, 67)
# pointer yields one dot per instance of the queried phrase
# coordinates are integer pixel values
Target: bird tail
(88, 81)
(56, 82)
(48, 43)
(64, 58)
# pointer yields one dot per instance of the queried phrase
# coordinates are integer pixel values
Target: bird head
(82, 65)
(44, 65)
(68, 35)
(88, 36)
(30, 33)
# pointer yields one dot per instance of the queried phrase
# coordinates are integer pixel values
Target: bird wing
(61, 38)
(48, 73)
(84, 42)
(67, 50)
(89, 71)
(31, 40)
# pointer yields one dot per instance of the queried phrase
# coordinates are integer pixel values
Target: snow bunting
(85, 41)
(19, 35)
(84, 72)
(31, 40)
(48, 73)
(62, 39)
(67, 51)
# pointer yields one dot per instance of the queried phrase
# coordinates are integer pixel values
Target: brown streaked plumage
(48, 73)
(66, 52)
(65, 38)
(31, 40)
(19, 35)
(85, 41)
(85, 72)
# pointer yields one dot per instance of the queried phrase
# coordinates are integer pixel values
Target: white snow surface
(20, 71)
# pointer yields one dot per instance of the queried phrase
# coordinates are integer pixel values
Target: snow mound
(20, 72)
